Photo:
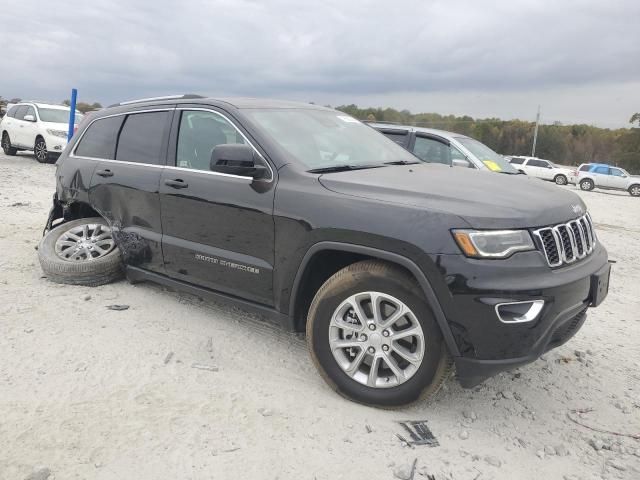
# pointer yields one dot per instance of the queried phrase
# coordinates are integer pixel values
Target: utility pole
(535, 133)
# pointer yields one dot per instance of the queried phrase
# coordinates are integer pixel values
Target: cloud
(115, 50)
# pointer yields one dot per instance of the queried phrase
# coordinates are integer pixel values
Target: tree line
(563, 144)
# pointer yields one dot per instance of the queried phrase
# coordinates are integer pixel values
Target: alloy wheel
(85, 243)
(376, 339)
(40, 150)
(635, 191)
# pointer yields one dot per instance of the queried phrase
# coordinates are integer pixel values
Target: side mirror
(236, 159)
(29, 118)
(460, 162)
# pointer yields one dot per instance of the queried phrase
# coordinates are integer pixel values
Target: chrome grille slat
(566, 243)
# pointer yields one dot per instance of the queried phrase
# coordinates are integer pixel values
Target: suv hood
(482, 199)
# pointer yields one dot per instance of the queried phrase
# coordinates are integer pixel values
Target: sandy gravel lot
(90, 393)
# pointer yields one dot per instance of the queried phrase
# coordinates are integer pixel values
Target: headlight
(493, 243)
(57, 133)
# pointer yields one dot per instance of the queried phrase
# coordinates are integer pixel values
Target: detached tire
(81, 252)
(373, 337)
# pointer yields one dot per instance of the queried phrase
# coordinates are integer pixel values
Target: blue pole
(72, 113)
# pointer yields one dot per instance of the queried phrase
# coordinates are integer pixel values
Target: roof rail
(166, 97)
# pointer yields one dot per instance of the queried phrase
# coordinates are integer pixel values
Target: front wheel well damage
(66, 212)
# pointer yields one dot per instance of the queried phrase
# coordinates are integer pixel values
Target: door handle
(105, 173)
(177, 183)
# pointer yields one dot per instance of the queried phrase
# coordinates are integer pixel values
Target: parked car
(540, 168)
(395, 268)
(448, 148)
(39, 127)
(607, 177)
(573, 177)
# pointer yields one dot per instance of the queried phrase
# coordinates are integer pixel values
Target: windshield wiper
(402, 162)
(342, 168)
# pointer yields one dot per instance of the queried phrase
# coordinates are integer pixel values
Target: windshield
(491, 159)
(321, 139)
(57, 115)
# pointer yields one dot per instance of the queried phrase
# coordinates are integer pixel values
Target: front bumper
(488, 345)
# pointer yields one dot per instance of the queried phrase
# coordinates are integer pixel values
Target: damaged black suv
(396, 269)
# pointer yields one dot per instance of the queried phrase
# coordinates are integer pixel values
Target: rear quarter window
(516, 161)
(99, 140)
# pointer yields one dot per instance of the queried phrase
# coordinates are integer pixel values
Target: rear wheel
(373, 337)
(81, 252)
(560, 179)
(40, 150)
(6, 145)
(586, 184)
(634, 190)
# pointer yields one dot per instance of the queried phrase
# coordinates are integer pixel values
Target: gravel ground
(87, 392)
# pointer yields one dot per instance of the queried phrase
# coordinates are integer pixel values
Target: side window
(616, 172)
(30, 111)
(141, 138)
(199, 133)
(99, 140)
(432, 151)
(585, 167)
(602, 170)
(12, 112)
(457, 154)
(21, 110)
(516, 161)
(399, 137)
(537, 163)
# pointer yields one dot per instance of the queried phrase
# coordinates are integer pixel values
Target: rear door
(218, 229)
(124, 187)
(16, 133)
(600, 176)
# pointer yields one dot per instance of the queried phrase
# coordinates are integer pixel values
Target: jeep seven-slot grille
(567, 242)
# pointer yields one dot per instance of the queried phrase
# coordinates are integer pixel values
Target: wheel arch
(304, 286)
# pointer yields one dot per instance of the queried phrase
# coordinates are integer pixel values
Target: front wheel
(40, 150)
(81, 252)
(6, 145)
(586, 185)
(373, 337)
(634, 190)
(560, 180)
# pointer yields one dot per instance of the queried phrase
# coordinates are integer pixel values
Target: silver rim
(586, 185)
(560, 180)
(376, 339)
(85, 243)
(41, 150)
(635, 191)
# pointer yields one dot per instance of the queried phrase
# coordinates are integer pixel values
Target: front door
(218, 230)
(124, 185)
(617, 179)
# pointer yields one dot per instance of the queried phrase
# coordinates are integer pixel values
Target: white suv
(607, 177)
(36, 126)
(544, 169)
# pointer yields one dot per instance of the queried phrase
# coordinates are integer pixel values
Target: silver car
(449, 148)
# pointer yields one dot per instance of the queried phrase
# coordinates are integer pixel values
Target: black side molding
(382, 255)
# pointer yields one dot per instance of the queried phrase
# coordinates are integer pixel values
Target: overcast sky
(579, 59)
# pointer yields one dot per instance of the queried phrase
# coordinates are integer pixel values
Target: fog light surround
(519, 312)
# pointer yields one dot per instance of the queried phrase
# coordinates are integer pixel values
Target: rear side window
(12, 111)
(602, 170)
(141, 138)
(99, 140)
(537, 163)
(517, 161)
(585, 167)
(21, 110)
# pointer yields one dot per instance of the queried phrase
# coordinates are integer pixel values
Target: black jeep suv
(397, 270)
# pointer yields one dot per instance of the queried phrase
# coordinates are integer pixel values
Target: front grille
(567, 242)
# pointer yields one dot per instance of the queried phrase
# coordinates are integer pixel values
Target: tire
(6, 145)
(357, 281)
(76, 270)
(634, 190)
(40, 150)
(586, 185)
(560, 179)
